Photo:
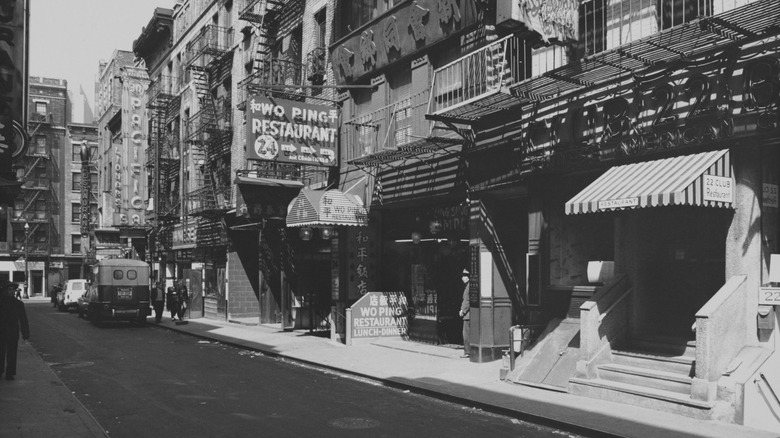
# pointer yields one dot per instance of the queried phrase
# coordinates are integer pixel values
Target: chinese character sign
(291, 132)
(379, 314)
(362, 251)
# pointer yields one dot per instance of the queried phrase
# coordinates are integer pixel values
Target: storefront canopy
(326, 208)
(703, 179)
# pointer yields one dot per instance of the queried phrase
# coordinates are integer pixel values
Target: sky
(68, 38)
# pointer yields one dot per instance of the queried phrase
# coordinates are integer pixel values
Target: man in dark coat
(158, 301)
(464, 313)
(13, 319)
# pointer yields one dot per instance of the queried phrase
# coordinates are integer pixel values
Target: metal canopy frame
(707, 35)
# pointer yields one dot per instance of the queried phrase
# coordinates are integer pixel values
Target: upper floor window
(40, 144)
(320, 28)
(356, 13)
(605, 25)
(76, 186)
(41, 107)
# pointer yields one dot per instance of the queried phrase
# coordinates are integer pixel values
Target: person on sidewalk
(54, 291)
(173, 303)
(13, 319)
(158, 301)
(183, 297)
(464, 313)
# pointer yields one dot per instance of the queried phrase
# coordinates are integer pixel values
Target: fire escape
(274, 74)
(37, 202)
(209, 134)
(162, 157)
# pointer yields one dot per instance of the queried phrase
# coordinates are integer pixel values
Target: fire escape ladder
(31, 167)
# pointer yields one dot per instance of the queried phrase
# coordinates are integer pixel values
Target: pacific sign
(291, 132)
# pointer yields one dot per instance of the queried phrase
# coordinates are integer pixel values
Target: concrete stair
(653, 372)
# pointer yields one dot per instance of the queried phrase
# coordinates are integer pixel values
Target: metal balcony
(209, 45)
(281, 78)
(476, 85)
(206, 201)
(40, 117)
(161, 91)
(259, 11)
(316, 63)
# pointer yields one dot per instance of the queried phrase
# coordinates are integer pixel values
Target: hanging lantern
(305, 233)
(326, 232)
(434, 226)
(416, 237)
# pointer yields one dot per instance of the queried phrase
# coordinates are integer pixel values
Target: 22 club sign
(291, 132)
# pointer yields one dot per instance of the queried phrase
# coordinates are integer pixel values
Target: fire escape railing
(257, 11)
(387, 128)
(480, 73)
(210, 44)
(276, 77)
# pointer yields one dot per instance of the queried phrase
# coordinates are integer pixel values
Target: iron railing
(162, 90)
(275, 76)
(387, 128)
(480, 73)
(210, 44)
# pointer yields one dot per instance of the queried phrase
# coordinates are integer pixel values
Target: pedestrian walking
(54, 293)
(173, 303)
(13, 320)
(158, 301)
(183, 297)
(464, 313)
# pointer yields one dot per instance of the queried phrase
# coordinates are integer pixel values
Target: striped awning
(312, 208)
(703, 179)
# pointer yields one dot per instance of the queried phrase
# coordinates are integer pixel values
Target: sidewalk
(38, 404)
(440, 372)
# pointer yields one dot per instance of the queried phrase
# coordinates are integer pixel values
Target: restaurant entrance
(681, 262)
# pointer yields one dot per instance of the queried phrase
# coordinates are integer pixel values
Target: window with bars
(605, 25)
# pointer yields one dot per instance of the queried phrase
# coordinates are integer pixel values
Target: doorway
(682, 264)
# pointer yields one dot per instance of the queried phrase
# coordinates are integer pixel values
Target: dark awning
(264, 197)
(703, 179)
(326, 208)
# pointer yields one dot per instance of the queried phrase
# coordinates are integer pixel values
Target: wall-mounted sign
(609, 204)
(291, 132)
(184, 236)
(13, 82)
(556, 19)
(770, 195)
(718, 188)
(400, 34)
(376, 315)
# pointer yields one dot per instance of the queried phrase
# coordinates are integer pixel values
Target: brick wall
(242, 301)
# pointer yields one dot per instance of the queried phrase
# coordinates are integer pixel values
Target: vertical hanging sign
(13, 82)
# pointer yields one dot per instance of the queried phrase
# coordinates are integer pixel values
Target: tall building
(43, 224)
(122, 135)
(218, 199)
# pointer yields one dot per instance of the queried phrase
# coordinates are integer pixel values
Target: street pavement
(38, 404)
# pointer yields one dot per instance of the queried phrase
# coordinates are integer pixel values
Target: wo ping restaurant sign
(291, 132)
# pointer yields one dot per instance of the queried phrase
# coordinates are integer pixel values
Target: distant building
(44, 222)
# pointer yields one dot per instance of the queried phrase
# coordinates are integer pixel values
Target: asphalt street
(141, 380)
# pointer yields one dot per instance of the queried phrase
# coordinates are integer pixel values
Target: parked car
(70, 293)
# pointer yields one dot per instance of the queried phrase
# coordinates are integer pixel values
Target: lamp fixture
(305, 233)
(326, 232)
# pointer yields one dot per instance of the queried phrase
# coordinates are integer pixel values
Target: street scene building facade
(604, 172)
